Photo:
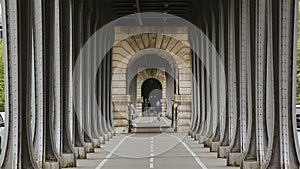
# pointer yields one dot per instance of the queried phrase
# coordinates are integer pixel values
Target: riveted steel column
(76, 42)
(198, 93)
(210, 79)
(85, 82)
(94, 112)
(18, 62)
(194, 115)
(256, 117)
(228, 50)
(50, 155)
(38, 68)
(67, 149)
(198, 85)
(283, 151)
(217, 84)
(204, 89)
(202, 86)
(221, 79)
(108, 58)
(234, 158)
(103, 97)
(110, 92)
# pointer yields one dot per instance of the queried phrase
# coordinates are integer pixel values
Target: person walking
(158, 110)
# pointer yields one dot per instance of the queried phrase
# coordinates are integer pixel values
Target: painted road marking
(197, 159)
(151, 154)
(112, 152)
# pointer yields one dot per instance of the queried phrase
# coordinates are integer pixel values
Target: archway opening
(151, 93)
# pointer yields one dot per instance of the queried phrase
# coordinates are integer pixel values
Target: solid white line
(112, 152)
(200, 163)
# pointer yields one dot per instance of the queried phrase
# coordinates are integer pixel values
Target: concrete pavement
(146, 151)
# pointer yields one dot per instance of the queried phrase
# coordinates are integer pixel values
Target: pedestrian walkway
(146, 151)
(151, 122)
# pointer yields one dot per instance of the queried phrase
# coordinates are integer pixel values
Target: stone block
(183, 129)
(120, 123)
(223, 152)
(80, 153)
(184, 122)
(184, 115)
(96, 143)
(118, 84)
(215, 146)
(183, 90)
(121, 130)
(118, 91)
(120, 115)
(197, 137)
(106, 137)
(68, 160)
(208, 142)
(89, 147)
(234, 159)
(250, 165)
(51, 165)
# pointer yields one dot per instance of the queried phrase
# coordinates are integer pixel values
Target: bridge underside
(239, 99)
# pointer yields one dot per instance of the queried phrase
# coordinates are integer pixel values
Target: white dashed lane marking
(151, 154)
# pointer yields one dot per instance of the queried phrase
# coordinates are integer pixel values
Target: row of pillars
(244, 94)
(51, 120)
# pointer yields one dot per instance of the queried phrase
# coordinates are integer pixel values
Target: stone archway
(125, 51)
(158, 74)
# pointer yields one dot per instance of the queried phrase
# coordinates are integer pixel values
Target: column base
(96, 143)
(110, 135)
(223, 152)
(250, 165)
(193, 134)
(215, 147)
(80, 153)
(208, 142)
(102, 140)
(202, 139)
(51, 165)
(197, 137)
(89, 148)
(234, 159)
(106, 136)
(68, 160)
(121, 130)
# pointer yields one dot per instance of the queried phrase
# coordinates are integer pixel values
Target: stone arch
(158, 74)
(127, 51)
